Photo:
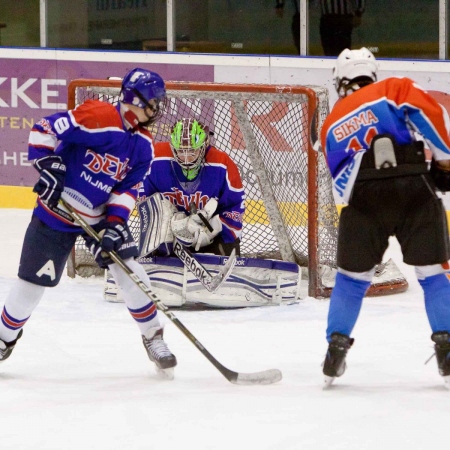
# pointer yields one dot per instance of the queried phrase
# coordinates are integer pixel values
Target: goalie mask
(189, 142)
(354, 69)
(145, 90)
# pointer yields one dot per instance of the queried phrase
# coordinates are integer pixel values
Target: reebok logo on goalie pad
(192, 264)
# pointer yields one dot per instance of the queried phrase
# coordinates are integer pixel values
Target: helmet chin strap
(132, 119)
(147, 122)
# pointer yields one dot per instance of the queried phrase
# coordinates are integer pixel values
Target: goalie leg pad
(253, 283)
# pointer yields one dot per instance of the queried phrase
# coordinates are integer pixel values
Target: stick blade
(265, 377)
(224, 273)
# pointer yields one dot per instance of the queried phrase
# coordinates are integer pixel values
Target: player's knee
(350, 287)
(423, 272)
(361, 276)
(27, 289)
(435, 285)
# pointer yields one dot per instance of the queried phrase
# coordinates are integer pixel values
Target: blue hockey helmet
(144, 89)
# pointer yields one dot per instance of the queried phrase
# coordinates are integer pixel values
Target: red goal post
(266, 129)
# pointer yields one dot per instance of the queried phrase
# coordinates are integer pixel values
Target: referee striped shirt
(342, 7)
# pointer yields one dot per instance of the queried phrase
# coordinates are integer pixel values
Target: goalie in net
(203, 191)
(193, 198)
(191, 201)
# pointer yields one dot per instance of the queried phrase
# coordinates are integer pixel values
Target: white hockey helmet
(354, 69)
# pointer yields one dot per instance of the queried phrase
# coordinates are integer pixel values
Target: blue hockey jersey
(397, 106)
(105, 161)
(219, 178)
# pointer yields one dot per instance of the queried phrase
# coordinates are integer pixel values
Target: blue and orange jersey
(397, 106)
(105, 161)
(219, 178)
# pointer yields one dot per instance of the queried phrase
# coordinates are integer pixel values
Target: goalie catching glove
(51, 180)
(191, 230)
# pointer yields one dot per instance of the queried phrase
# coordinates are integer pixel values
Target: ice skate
(442, 349)
(334, 365)
(159, 353)
(6, 348)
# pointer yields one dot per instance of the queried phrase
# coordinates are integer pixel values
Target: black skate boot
(6, 348)
(334, 364)
(442, 349)
(159, 353)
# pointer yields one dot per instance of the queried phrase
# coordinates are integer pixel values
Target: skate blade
(328, 381)
(447, 382)
(165, 374)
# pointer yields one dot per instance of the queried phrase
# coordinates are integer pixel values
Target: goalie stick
(264, 377)
(193, 210)
(209, 281)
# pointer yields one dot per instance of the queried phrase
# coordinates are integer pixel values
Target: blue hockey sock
(345, 304)
(437, 301)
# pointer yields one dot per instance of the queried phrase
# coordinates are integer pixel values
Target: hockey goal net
(290, 209)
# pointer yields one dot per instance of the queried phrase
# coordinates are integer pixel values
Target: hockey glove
(179, 225)
(441, 176)
(113, 232)
(202, 234)
(51, 181)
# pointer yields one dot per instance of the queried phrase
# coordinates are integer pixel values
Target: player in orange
(378, 168)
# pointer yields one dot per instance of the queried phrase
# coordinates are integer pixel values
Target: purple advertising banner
(34, 88)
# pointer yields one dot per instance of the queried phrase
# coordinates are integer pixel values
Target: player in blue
(379, 168)
(187, 170)
(103, 154)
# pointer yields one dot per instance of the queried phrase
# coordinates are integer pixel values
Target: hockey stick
(264, 377)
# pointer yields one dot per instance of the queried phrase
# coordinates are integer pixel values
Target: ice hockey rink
(80, 379)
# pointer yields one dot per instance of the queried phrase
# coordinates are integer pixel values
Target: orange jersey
(397, 106)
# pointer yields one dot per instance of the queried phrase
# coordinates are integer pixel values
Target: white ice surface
(80, 378)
